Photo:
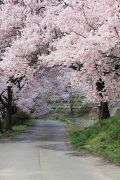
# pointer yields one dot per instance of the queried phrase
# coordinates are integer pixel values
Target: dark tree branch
(2, 102)
(79, 34)
(87, 19)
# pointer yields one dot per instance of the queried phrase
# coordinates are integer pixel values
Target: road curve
(41, 153)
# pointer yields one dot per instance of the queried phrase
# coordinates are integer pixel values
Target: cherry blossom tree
(24, 33)
(91, 44)
(37, 36)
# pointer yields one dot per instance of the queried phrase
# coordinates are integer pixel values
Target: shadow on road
(42, 131)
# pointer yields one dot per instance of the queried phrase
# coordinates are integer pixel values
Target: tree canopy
(43, 40)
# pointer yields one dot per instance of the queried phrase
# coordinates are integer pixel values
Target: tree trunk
(71, 103)
(1, 127)
(9, 109)
(104, 112)
(71, 108)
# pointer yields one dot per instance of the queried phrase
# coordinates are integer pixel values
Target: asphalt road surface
(41, 153)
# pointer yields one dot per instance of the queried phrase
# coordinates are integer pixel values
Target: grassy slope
(103, 140)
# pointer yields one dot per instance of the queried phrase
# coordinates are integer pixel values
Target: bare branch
(87, 19)
(80, 34)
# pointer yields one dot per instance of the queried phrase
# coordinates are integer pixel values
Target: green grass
(57, 117)
(78, 101)
(101, 139)
(17, 129)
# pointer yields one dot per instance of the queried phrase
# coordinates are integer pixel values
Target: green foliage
(102, 139)
(78, 101)
(61, 118)
(84, 110)
(20, 118)
(17, 129)
(63, 106)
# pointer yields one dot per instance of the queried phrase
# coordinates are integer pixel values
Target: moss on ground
(17, 129)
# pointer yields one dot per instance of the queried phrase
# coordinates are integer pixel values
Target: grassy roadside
(62, 117)
(100, 139)
(17, 129)
(103, 140)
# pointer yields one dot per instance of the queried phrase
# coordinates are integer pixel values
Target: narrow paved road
(40, 153)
